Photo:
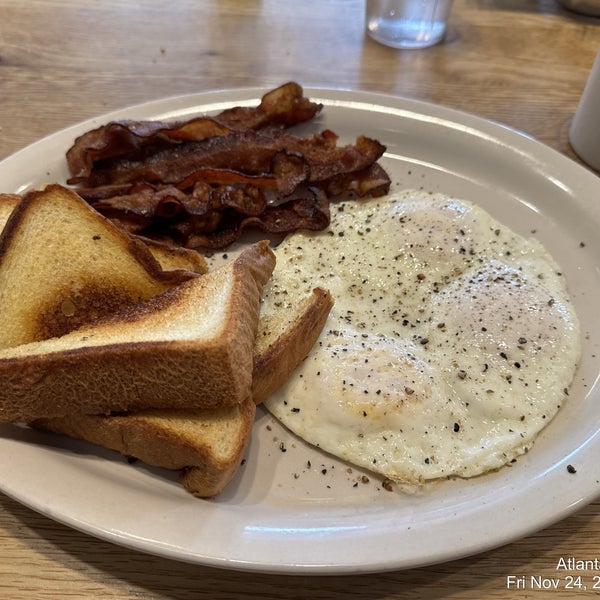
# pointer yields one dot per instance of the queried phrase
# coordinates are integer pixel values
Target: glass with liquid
(407, 23)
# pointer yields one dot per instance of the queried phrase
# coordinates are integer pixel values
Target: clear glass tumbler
(407, 23)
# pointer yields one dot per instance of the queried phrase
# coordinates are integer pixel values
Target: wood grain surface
(522, 63)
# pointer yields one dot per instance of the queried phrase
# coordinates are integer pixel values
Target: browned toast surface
(62, 265)
(189, 347)
(168, 256)
(172, 258)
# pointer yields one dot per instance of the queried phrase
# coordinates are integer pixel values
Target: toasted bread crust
(133, 245)
(8, 202)
(107, 367)
(205, 481)
(276, 356)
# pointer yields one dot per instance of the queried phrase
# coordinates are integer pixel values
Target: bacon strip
(284, 106)
(303, 213)
(372, 181)
(168, 202)
(317, 157)
(212, 218)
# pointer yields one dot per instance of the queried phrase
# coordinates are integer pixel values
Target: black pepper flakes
(387, 484)
(571, 469)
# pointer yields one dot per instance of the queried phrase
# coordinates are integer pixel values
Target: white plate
(282, 515)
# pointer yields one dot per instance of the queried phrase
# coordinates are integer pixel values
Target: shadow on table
(537, 6)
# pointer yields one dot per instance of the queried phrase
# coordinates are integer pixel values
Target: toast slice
(62, 264)
(169, 257)
(206, 446)
(284, 338)
(190, 347)
(176, 258)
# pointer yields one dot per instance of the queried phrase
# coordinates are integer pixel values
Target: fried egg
(451, 344)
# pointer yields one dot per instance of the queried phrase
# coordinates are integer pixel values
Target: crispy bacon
(255, 153)
(204, 182)
(168, 202)
(228, 177)
(284, 106)
(372, 181)
(303, 213)
(212, 218)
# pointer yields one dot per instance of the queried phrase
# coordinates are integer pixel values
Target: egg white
(450, 346)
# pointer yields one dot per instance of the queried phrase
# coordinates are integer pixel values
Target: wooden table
(520, 62)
